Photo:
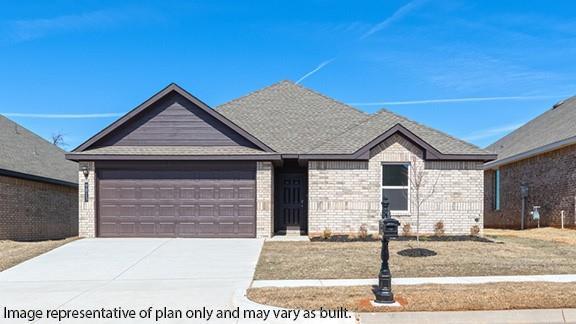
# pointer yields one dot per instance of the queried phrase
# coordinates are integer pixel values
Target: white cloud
(491, 132)
(30, 29)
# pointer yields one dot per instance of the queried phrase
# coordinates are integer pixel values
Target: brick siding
(551, 181)
(343, 195)
(33, 210)
(87, 210)
(264, 199)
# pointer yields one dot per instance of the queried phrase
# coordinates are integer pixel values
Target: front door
(292, 202)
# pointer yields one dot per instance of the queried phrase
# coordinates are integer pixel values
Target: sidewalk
(534, 316)
(413, 281)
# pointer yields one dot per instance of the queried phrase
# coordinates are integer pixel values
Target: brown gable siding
(551, 180)
(176, 121)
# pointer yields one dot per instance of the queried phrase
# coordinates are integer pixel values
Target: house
(38, 187)
(280, 159)
(536, 166)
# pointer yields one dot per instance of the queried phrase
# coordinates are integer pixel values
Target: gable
(174, 120)
(172, 117)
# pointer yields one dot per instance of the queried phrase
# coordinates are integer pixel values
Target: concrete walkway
(413, 281)
(533, 316)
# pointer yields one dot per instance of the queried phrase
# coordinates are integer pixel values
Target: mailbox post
(388, 229)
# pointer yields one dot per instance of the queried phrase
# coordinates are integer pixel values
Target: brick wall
(32, 210)
(264, 199)
(87, 210)
(551, 181)
(343, 195)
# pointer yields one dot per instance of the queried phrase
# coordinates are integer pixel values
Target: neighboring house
(281, 159)
(38, 187)
(536, 166)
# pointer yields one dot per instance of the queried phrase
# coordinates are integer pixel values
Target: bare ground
(15, 252)
(511, 255)
(552, 234)
(496, 296)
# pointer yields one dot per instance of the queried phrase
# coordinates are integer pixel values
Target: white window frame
(407, 187)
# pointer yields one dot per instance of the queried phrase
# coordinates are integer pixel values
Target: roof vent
(559, 103)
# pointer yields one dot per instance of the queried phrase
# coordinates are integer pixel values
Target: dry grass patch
(552, 234)
(496, 296)
(355, 260)
(14, 252)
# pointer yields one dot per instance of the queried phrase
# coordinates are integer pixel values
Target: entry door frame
(280, 177)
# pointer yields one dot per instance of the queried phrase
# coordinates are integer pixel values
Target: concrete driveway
(133, 274)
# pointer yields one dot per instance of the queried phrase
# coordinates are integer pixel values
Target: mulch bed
(427, 238)
(417, 252)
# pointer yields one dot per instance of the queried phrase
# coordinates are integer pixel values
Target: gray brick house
(280, 159)
(38, 187)
(536, 166)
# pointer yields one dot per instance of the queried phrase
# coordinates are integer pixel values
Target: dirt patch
(13, 252)
(552, 234)
(357, 260)
(496, 296)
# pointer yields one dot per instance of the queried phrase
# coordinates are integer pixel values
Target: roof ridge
(428, 127)
(252, 93)
(328, 98)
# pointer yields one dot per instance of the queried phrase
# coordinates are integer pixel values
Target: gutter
(111, 157)
(531, 153)
(32, 177)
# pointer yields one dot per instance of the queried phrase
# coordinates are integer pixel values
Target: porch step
(293, 231)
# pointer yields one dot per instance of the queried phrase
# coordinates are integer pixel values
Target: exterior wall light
(85, 172)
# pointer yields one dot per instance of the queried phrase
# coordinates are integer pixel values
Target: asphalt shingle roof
(556, 124)
(292, 119)
(360, 135)
(25, 152)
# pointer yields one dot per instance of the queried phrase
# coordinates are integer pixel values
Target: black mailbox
(389, 227)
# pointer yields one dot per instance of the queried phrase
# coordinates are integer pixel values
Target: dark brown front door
(292, 202)
(198, 200)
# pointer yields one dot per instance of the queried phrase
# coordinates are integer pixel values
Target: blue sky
(499, 63)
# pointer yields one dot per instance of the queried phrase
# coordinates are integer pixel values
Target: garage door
(177, 200)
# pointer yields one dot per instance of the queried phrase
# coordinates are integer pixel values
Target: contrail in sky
(450, 100)
(318, 68)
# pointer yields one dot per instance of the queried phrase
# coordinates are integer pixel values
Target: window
(395, 186)
(497, 189)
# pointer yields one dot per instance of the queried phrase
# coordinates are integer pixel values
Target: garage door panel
(165, 228)
(177, 203)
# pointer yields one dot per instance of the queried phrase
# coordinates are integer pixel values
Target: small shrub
(363, 232)
(326, 234)
(406, 229)
(475, 230)
(439, 228)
